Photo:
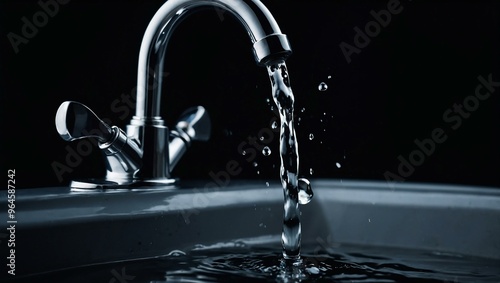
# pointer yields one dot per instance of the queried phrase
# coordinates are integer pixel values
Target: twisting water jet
(296, 191)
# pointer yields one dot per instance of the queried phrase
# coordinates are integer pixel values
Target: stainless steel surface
(122, 155)
(194, 124)
(269, 45)
(148, 151)
(76, 121)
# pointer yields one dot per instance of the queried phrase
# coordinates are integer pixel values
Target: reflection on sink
(59, 229)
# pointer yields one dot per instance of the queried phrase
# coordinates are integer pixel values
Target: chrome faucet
(147, 151)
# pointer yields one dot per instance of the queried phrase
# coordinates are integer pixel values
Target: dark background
(394, 91)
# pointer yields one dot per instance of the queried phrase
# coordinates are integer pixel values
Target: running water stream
(296, 191)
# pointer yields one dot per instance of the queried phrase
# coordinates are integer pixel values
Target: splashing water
(322, 86)
(305, 191)
(294, 193)
(274, 125)
(266, 151)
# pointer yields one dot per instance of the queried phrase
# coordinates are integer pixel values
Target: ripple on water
(296, 191)
(239, 262)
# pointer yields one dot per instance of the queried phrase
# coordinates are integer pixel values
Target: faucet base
(101, 185)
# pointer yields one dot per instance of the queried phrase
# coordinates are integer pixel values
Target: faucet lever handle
(122, 155)
(195, 122)
(76, 121)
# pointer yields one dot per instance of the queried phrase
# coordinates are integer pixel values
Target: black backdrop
(400, 85)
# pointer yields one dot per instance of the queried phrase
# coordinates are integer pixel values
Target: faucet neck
(268, 45)
(147, 126)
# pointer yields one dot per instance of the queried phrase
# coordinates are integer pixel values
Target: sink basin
(58, 229)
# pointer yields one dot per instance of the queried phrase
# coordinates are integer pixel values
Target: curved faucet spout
(148, 151)
(147, 126)
(269, 44)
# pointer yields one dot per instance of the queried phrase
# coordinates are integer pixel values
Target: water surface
(238, 262)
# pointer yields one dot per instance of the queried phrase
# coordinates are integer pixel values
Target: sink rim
(339, 210)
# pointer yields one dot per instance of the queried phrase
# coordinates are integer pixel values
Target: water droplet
(267, 184)
(311, 171)
(311, 137)
(322, 86)
(329, 77)
(303, 109)
(338, 165)
(258, 172)
(255, 164)
(312, 270)
(261, 138)
(266, 151)
(305, 191)
(244, 153)
(324, 113)
(274, 125)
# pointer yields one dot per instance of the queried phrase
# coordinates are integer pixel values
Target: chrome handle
(193, 125)
(122, 155)
(76, 121)
(195, 122)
